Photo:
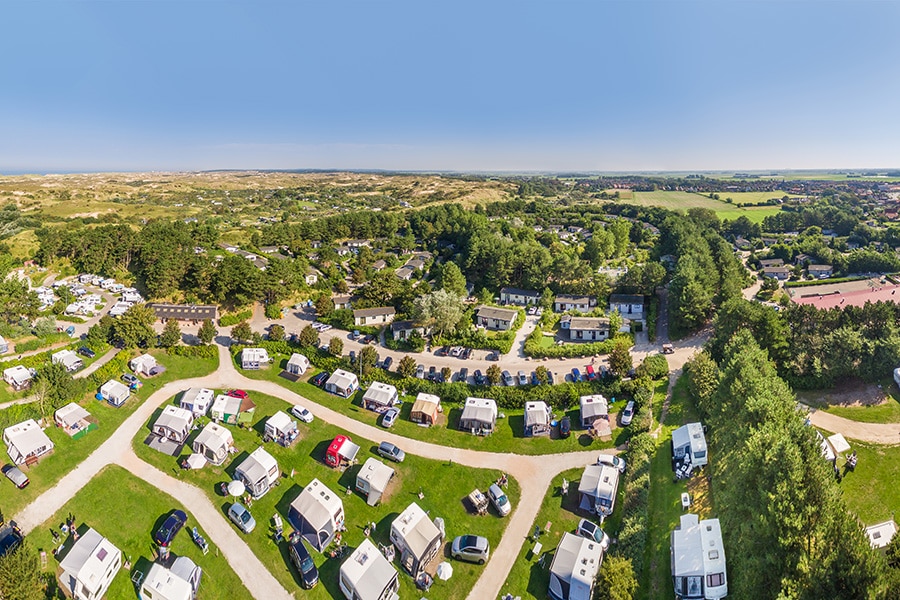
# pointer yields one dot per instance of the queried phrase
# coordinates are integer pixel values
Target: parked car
(391, 452)
(303, 562)
(499, 500)
(14, 474)
(590, 373)
(442, 351)
(237, 394)
(456, 351)
(523, 378)
(532, 310)
(431, 371)
(612, 461)
(241, 517)
(320, 379)
(592, 531)
(70, 330)
(130, 379)
(438, 377)
(86, 352)
(508, 379)
(668, 349)
(302, 413)
(565, 427)
(471, 548)
(420, 372)
(170, 527)
(390, 417)
(368, 339)
(576, 376)
(549, 377)
(628, 413)
(479, 377)
(495, 356)
(534, 378)
(10, 538)
(463, 375)
(354, 335)
(466, 353)
(386, 365)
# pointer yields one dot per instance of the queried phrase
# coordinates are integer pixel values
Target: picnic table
(479, 501)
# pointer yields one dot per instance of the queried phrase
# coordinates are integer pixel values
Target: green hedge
(793, 284)
(69, 318)
(653, 366)
(573, 350)
(43, 342)
(193, 351)
(652, 315)
(234, 319)
(635, 521)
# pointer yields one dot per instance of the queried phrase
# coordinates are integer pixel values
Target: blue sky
(421, 85)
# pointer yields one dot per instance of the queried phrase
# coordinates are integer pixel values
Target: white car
(612, 461)
(390, 417)
(628, 414)
(302, 413)
(499, 500)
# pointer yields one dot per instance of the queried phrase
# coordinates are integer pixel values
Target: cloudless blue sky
(423, 85)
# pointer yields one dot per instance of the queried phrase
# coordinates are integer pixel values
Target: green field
(443, 486)
(138, 510)
(868, 490)
(686, 200)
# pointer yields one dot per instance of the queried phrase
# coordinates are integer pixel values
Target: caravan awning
(348, 450)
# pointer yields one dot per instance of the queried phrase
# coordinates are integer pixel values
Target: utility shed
(574, 568)
(373, 479)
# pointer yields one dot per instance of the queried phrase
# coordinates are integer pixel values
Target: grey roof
(586, 323)
(491, 312)
(520, 292)
(415, 529)
(626, 299)
(190, 312)
(374, 312)
(576, 562)
(573, 299)
(820, 268)
(536, 413)
(369, 572)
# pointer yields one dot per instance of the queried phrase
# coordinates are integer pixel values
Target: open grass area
(127, 510)
(508, 435)
(886, 412)
(444, 485)
(871, 489)
(858, 401)
(685, 200)
(68, 453)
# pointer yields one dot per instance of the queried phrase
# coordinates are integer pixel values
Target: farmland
(686, 200)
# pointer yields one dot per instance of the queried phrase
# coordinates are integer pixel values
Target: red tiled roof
(887, 293)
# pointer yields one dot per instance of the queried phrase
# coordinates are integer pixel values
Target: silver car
(499, 500)
(241, 517)
(471, 548)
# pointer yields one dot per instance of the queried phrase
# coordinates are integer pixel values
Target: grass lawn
(886, 412)
(68, 453)
(868, 490)
(444, 486)
(508, 435)
(686, 200)
(868, 403)
(127, 510)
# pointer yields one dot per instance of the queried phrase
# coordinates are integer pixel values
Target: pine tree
(207, 332)
(171, 334)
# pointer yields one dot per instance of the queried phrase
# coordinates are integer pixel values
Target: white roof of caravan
(214, 436)
(165, 584)
(376, 473)
(480, 407)
(144, 362)
(27, 437)
(576, 562)
(175, 418)
(690, 434)
(594, 405)
(71, 413)
(380, 393)
(318, 504)
(17, 373)
(342, 379)
(881, 534)
(415, 529)
(298, 359)
(536, 413)
(258, 465)
(89, 559)
(429, 398)
(226, 405)
(255, 354)
(599, 481)
(697, 547)
(368, 571)
(114, 388)
(197, 396)
(280, 421)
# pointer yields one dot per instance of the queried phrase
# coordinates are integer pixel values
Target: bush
(41, 342)
(273, 311)
(69, 318)
(341, 319)
(193, 351)
(235, 318)
(652, 315)
(654, 366)
(574, 350)
(633, 534)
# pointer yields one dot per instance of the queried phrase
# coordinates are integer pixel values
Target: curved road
(876, 433)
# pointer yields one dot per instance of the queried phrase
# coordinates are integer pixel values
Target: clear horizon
(683, 86)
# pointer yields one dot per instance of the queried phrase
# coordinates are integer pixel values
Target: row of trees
(787, 531)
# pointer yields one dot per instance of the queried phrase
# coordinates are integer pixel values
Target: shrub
(535, 350)
(633, 534)
(235, 318)
(273, 311)
(654, 366)
(194, 351)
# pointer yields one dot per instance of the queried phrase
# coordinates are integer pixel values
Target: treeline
(816, 348)
(836, 218)
(786, 529)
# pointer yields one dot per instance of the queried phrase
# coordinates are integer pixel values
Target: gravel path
(876, 433)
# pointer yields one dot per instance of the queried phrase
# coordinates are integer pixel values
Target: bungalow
(297, 364)
(771, 262)
(374, 316)
(597, 489)
(491, 317)
(214, 443)
(779, 273)
(629, 305)
(574, 568)
(537, 419)
(593, 407)
(565, 302)
(232, 411)
(479, 416)
(341, 301)
(820, 271)
(510, 295)
(417, 539)
(281, 428)
(89, 567)
(425, 409)
(74, 420)
(359, 243)
(181, 582)
(26, 442)
(254, 358)
(4, 346)
(380, 397)
(689, 446)
(881, 534)
(174, 424)
(415, 264)
(770, 241)
(372, 480)
(405, 273)
(68, 359)
(197, 400)
(114, 392)
(259, 472)
(18, 377)
(401, 330)
(379, 265)
(698, 559)
(368, 575)
(582, 329)
(342, 383)
(185, 312)
(312, 276)
(317, 514)
(145, 365)
(802, 259)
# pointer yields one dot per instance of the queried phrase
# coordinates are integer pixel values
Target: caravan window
(695, 586)
(715, 580)
(679, 585)
(679, 452)
(700, 454)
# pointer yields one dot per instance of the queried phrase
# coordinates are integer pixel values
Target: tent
(26, 442)
(281, 428)
(368, 575)
(318, 514)
(417, 539)
(838, 443)
(214, 443)
(114, 392)
(479, 415)
(74, 420)
(174, 424)
(425, 409)
(372, 480)
(297, 364)
(380, 397)
(574, 568)
(259, 472)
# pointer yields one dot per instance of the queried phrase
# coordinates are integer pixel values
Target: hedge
(41, 342)
(193, 351)
(69, 318)
(652, 315)
(635, 522)
(653, 366)
(234, 319)
(574, 350)
(793, 284)
(111, 370)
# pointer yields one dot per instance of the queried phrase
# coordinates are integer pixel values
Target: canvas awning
(348, 450)
(838, 443)
(196, 461)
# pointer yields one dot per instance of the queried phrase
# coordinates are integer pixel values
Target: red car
(237, 394)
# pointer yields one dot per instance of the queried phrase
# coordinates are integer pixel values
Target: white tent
(297, 364)
(259, 472)
(318, 514)
(26, 441)
(838, 443)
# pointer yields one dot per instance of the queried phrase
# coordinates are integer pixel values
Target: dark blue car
(576, 376)
(170, 527)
